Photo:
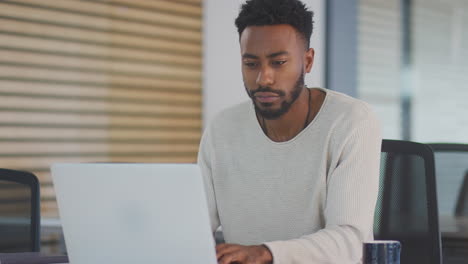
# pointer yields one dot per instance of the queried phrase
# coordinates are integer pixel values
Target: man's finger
(226, 250)
(221, 246)
(231, 258)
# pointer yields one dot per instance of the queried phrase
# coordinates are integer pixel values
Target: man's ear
(309, 59)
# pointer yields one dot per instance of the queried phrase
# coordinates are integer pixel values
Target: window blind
(98, 81)
(379, 61)
(440, 66)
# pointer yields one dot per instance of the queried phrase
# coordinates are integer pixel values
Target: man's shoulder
(347, 116)
(349, 107)
(230, 122)
(233, 114)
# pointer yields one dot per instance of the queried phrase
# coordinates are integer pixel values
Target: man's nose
(265, 77)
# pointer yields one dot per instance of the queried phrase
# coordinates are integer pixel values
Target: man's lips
(266, 97)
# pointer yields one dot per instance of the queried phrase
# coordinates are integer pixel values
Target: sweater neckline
(299, 135)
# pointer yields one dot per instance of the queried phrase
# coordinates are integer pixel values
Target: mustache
(266, 89)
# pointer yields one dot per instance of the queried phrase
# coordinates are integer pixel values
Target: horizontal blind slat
(92, 119)
(49, 209)
(111, 135)
(167, 6)
(27, 148)
(191, 2)
(102, 78)
(111, 94)
(23, 163)
(97, 106)
(173, 87)
(97, 65)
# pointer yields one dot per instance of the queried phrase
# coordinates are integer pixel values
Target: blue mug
(381, 252)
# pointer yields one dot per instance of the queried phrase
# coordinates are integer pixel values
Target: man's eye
(250, 64)
(277, 63)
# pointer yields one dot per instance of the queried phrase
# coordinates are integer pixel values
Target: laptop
(133, 213)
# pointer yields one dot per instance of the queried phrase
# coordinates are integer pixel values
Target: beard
(272, 114)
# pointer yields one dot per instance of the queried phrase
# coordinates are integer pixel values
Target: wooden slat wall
(98, 81)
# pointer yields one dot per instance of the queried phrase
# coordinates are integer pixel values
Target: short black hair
(275, 12)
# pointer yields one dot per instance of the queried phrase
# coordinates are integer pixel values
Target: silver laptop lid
(133, 213)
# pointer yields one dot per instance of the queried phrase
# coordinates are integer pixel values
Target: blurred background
(138, 80)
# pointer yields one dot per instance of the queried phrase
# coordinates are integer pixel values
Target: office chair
(407, 204)
(461, 208)
(451, 162)
(19, 211)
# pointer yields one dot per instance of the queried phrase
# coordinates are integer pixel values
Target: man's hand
(231, 253)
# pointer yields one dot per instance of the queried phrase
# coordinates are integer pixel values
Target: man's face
(274, 60)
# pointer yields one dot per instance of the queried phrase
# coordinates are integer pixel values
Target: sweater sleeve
(204, 162)
(352, 187)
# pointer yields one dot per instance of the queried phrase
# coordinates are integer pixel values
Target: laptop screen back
(133, 213)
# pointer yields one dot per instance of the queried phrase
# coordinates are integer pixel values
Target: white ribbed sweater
(310, 199)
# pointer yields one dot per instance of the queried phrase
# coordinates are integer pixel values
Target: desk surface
(453, 226)
(31, 257)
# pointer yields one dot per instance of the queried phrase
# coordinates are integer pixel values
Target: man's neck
(291, 123)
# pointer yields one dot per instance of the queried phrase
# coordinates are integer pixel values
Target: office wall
(222, 78)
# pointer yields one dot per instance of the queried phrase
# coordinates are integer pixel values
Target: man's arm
(352, 187)
(204, 162)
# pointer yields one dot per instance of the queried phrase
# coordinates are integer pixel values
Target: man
(291, 176)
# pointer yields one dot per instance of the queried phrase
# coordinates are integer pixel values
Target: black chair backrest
(461, 208)
(407, 203)
(19, 211)
(451, 162)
